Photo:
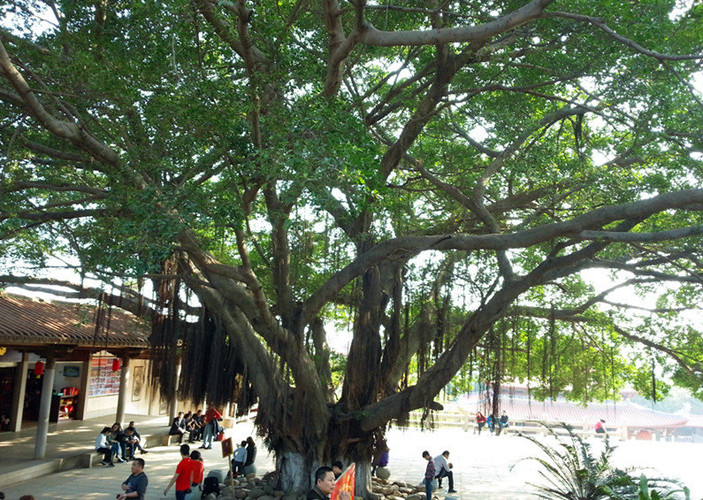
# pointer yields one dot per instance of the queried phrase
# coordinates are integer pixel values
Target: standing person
(324, 485)
(210, 429)
(182, 475)
(429, 473)
(240, 457)
(251, 452)
(178, 427)
(197, 470)
(503, 422)
(104, 446)
(337, 469)
(480, 421)
(135, 485)
(443, 469)
(600, 429)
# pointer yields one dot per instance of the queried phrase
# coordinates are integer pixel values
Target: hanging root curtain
(212, 368)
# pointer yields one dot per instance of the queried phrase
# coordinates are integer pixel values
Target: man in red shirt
(182, 477)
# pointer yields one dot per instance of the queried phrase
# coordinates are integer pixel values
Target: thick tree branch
(127, 299)
(22, 185)
(67, 130)
(476, 326)
(372, 36)
(339, 45)
(60, 154)
(624, 266)
(251, 300)
(672, 234)
(600, 24)
(401, 248)
(697, 367)
(222, 28)
(52, 216)
(269, 384)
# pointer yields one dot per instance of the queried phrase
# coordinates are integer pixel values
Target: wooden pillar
(153, 395)
(47, 389)
(84, 389)
(18, 393)
(124, 389)
(173, 404)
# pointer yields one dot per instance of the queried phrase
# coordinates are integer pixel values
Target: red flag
(346, 482)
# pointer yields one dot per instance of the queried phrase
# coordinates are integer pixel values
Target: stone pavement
(66, 439)
(482, 464)
(493, 467)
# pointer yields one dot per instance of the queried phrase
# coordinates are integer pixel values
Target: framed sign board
(226, 447)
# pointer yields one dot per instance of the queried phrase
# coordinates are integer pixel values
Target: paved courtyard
(482, 466)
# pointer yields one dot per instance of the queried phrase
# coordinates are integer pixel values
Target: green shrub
(570, 471)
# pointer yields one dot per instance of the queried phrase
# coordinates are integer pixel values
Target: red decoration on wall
(115, 364)
(38, 369)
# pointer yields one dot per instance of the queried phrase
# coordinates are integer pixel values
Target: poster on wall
(103, 381)
(138, 385)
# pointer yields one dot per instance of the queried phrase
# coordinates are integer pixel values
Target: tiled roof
(694, 421)
(25, 321)
(615, 414)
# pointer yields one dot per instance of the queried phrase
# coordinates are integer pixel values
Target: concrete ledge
(166, 440)
(79, 460)
(87, 460)
(31, 471)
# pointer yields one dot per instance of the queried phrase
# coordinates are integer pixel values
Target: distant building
(629, 420)
(692, 430)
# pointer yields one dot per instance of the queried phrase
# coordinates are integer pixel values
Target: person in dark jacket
(429, 474)
(251, 451)
(135, 485)
(178, 427)
(118, 436)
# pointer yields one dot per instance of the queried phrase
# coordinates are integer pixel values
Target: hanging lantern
(38, 369)
(115, 365)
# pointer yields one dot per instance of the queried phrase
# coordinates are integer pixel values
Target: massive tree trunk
(297, 473)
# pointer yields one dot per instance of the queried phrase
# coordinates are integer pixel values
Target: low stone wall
(254, 488)
(383, 489)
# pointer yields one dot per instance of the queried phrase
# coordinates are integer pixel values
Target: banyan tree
(443, 188)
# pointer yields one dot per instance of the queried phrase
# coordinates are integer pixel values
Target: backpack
(211, 485)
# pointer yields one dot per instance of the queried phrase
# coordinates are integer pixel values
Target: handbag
(221, 436)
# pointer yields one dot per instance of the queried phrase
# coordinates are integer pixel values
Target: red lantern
(38, 369)
(115, 365)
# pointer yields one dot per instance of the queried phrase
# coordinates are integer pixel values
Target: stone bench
(169, 438)
(88, 460)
